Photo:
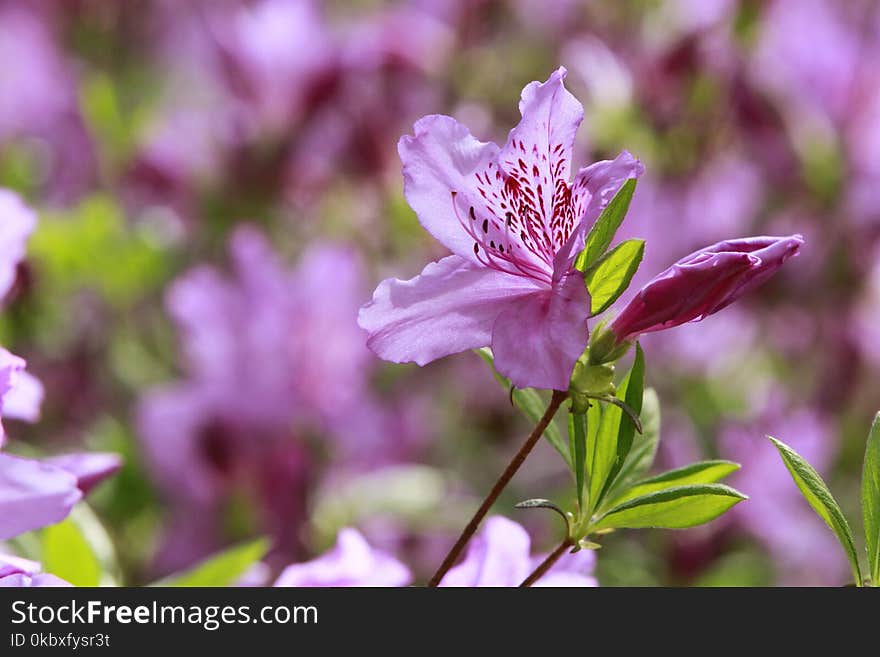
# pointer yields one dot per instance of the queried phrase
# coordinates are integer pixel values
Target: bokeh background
(219, 191)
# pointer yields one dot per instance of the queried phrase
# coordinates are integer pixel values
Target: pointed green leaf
(631, 392)
(871, 500)
(644, 448)
(68, 554)
(602, 449)
(703, 472)
(616, 430)
(816, 492)
(533, 406)
(614, 441)
(577, 428)
(79, 550)
(594, 423)
(611, 276)
(223, 569)
(673, 508)
(602, 232)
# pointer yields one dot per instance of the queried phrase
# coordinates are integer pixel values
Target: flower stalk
(511, 469)
(547, 564)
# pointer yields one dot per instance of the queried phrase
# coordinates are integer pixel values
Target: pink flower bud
(703, 283)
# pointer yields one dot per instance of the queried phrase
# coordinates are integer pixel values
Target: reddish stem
(471, 528)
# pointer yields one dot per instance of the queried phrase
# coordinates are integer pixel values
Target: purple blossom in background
(500, 556)
(17, 222)
(515, 227)
(275, 55)
(54, 137)
(15, 571)
(808, 54)
(20, 393)
(805, 551)
(279, 78)
(352, 562)
(274, 360)
(703, 283)
(33, 495)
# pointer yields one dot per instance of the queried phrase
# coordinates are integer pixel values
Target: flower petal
(23, 400)
(33, 495)
(537, 339)
(538, 150)
(450, 307)
(18, 572)
(498, 556)
(89, 468)
(440, 162)
(351, 563)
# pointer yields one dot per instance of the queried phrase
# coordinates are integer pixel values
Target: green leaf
(609, 450)
(610, 277)
(816, 492)
(631, 392)
(77, 550)
(577, 430)
(644, 448)
(602, 232)
(601, 447)
(223, 569)
(871, 500)
(673, 508)
(532, 406)
(703, 472)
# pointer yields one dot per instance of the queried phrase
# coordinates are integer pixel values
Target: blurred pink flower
(274, 360)
(515, 227)
(499, 556)
(275, 55)
(38, 102)
(17, 222)
(15, 571)
(352, 562)
(20, 393)
(808, 54)
(33, 495)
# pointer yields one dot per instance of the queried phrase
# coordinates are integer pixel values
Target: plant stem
(547, 564)
(471, 528)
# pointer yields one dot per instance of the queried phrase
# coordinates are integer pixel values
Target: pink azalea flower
(352, 562)
(500, 556)
(515, 225)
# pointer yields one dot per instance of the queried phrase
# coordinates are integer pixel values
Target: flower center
(521, 218)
